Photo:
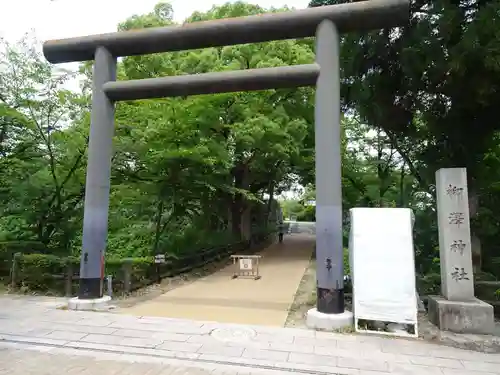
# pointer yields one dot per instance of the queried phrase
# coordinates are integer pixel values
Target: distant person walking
(281, 230)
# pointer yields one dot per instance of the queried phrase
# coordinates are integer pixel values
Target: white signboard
(245, 264)
(383, 265)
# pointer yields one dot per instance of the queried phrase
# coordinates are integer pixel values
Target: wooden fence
(55, 275)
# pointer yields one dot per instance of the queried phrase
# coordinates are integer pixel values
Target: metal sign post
(159, 259)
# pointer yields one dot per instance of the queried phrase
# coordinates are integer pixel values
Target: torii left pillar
(97, 187)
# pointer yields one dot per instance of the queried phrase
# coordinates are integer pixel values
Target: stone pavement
(24, 360)
(244, 301)
(188, 347)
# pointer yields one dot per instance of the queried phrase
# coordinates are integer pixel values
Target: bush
(48, 273)
(430, 282)
(36, 271)
(347, 265)
(9, 248)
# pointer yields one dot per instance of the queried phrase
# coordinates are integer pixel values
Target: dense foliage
(201, 171)
(431, 89)
(186, 171)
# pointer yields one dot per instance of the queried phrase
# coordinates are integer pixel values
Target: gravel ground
(305, 298)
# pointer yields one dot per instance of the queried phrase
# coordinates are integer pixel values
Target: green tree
(42, 153)
(431, 86)
(250, 140)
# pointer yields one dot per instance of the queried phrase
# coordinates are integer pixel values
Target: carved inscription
(454, 191)
(328, 264)
(456, 218)
(459, 274)
(458, 246)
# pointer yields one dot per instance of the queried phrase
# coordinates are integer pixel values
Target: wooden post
(14, 270)
(127, 275)
(69, 279)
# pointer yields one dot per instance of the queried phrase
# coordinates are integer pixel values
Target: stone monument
(457, 310)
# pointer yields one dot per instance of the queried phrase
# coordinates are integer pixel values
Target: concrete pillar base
(90, 304)
(329, 322)
(473, 316)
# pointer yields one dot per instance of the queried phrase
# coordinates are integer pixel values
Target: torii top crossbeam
(357, 16)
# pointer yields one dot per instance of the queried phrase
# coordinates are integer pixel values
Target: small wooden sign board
(246, 266)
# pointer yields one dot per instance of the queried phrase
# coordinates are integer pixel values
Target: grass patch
(305, 297)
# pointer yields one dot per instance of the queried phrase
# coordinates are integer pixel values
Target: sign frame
(240, 271)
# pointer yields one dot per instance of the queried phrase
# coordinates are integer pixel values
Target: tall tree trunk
(270, 201)
(240, 212)
(158, 226)
(246, 208)
(402, 186)
(237, 203)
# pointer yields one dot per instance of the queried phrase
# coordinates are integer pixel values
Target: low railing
(308, 227)
(58, 275)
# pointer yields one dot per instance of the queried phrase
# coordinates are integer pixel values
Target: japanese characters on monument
(454, 234)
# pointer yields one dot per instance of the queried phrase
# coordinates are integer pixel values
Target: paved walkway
(219, 298)
(23, 360)
(165, 346)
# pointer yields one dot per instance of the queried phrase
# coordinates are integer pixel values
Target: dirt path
(220, 298)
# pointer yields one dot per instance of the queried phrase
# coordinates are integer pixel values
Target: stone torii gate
(326, 23)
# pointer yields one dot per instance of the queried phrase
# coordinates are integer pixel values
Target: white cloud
(58, 19)
(70, 18)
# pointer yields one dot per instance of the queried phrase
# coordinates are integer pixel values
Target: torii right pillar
(329, 313)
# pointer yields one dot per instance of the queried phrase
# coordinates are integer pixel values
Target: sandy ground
(218, 297)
